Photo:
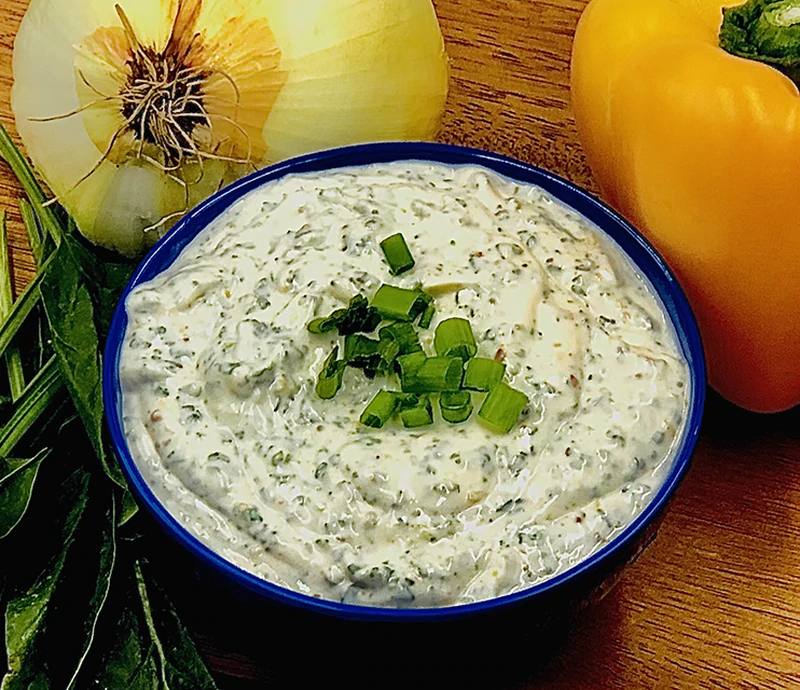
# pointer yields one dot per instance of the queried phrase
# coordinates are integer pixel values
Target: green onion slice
(388, 350)
(383, 361)
(380, 409)
(417, 415)
(361, 352)
(453, 338)
(455, 406)
(427, 316)
(483, 374)
(357, 345)
(434, 375)
(372, 366)
(370, 355)
(407, 365)
(404, 334)
(324, 324)
(329, 380)
(397, 254)
(359, 317)
(502, 407)
(400, 304)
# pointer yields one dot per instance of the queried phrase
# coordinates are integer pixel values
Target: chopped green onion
(397, 254)
(434, 375)
(502, 407)
(455, 406)
(405, 400)
(453, 338)
(380, 409)
(417, 415)
(373, 366)
(404, 334)
(359, 317)
(372, 359)
(324, 324)
(329, 380)
(388, 350)
(483, 374)
(361, 352)
(357, 345)
(407, 365)
(427, 316)
(337, 315)
(400, 304)
(382, 362)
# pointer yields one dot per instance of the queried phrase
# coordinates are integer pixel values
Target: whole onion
(135, 110)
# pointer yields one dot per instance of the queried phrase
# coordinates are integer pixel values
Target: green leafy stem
(78, 605)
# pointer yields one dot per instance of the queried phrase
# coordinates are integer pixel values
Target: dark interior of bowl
(558, 597)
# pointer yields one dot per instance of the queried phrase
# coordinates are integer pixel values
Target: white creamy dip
(219, 408)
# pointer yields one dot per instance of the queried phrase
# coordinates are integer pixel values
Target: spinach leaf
(50, 626)
(17, 477)
(128, 661)
(42, 392)
(22, 307)
(128, 508)
(106, 552)
(27, 614)
(109, 279)
(151, 649)
(71, 315)
(181, 664)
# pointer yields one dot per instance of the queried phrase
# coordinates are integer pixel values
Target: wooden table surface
(715, 600)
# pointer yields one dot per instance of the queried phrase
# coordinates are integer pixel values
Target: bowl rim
(639, 251)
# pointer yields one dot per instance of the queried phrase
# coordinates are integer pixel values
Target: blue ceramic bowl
(565, 592)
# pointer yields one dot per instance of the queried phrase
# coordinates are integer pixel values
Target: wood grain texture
(22, 264)
(714, 602)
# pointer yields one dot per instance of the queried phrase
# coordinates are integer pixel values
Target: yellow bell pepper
(700, 148)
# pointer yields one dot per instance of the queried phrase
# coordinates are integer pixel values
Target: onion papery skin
(309, 75)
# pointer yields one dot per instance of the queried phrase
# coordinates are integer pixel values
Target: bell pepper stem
(764, 30)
